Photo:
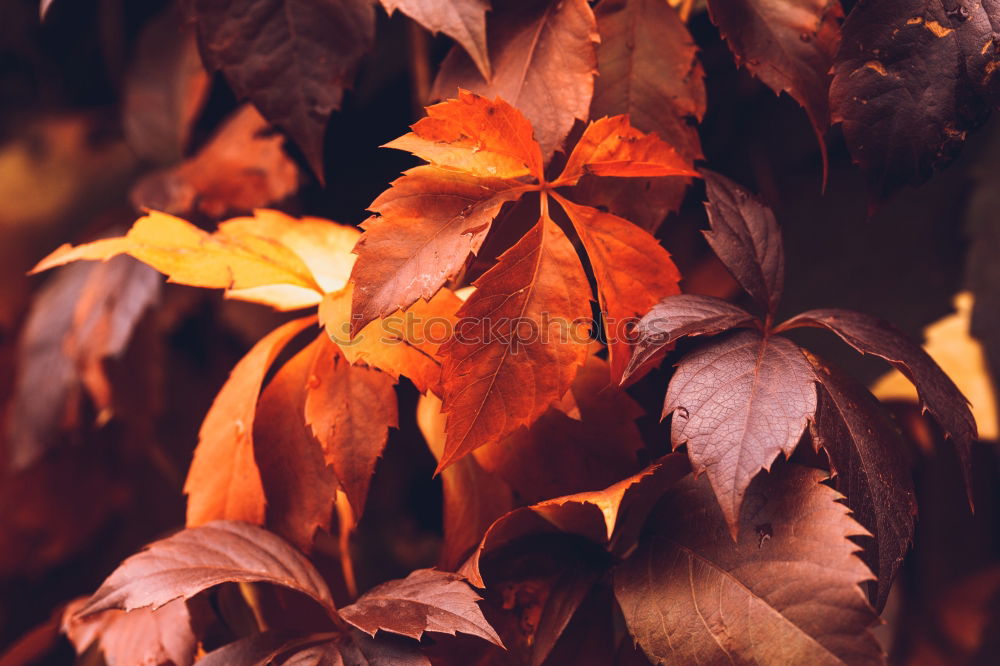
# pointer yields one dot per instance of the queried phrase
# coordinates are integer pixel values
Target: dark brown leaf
(323, 649)
(291, 58)
(912, 78)
(787, 593)
(938, 394)
(789, 44)
(737, 403)
(678, 316)
(746, 237)
(425, 601)
(198, 558)
(868, 456)
(544, 61)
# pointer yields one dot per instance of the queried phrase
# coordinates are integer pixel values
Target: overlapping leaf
(142, 636)
(544, 61)
(462, 20)
(789, 44)
(292, 59)
(787, 592)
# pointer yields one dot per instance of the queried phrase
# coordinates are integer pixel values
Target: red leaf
(939, 395)
(746, 238)
(425, 601)
(678, 316)
(786, 593)
(143, 636)
(198, 558)
(737, 403)
(526, 314)
(544, 63)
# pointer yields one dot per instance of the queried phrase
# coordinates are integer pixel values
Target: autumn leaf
(462, 20)
(425, 601)
(198, 558)
(787, 592)
(544, 61)
(745, 236)
(84, 316)
(319, 648)
(789, 45)
(632, 269)
(224, 481)
(737, 403)
(485, 375)
(242, 167)
(299, 486)
(938, 394)
(869, 458)
(349, 410)
(142, 636)
(911, 80)
(293, 60)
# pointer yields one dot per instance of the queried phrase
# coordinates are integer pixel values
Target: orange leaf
(298, 484)
(632, 269)
(477, 136)
(224, 481)
(524, 345)
(612, 147)
(404, 343)
(349, 409)
(429, 222)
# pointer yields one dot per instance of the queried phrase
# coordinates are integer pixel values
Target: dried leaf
(869, 457)
(198, 558)
(462, 20)
(745, 236)
(938, 394)
(737, 403)
(544, 61)
(292, 59)
(787, 592)
(349, 409)
(632, 270)
(789, 44)
(530, 318)
(224, 481)
(678, 316)
(425, 601)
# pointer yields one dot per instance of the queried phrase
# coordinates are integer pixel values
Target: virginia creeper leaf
(198, 558)
(299, 486)
(490, 139)
(530, 323)
(612, 147)
(349, 409)
(426, 600)
(868, 456)
(462, 20)
(787, 592)
(163, 637)
(544, 61)
(789, 44)
(632, 270)
(678, 316)
(746, 237)
(737, 403)
(428, 224)
(223, 481)
(938, 394)
(291, 58)
(912, 78)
